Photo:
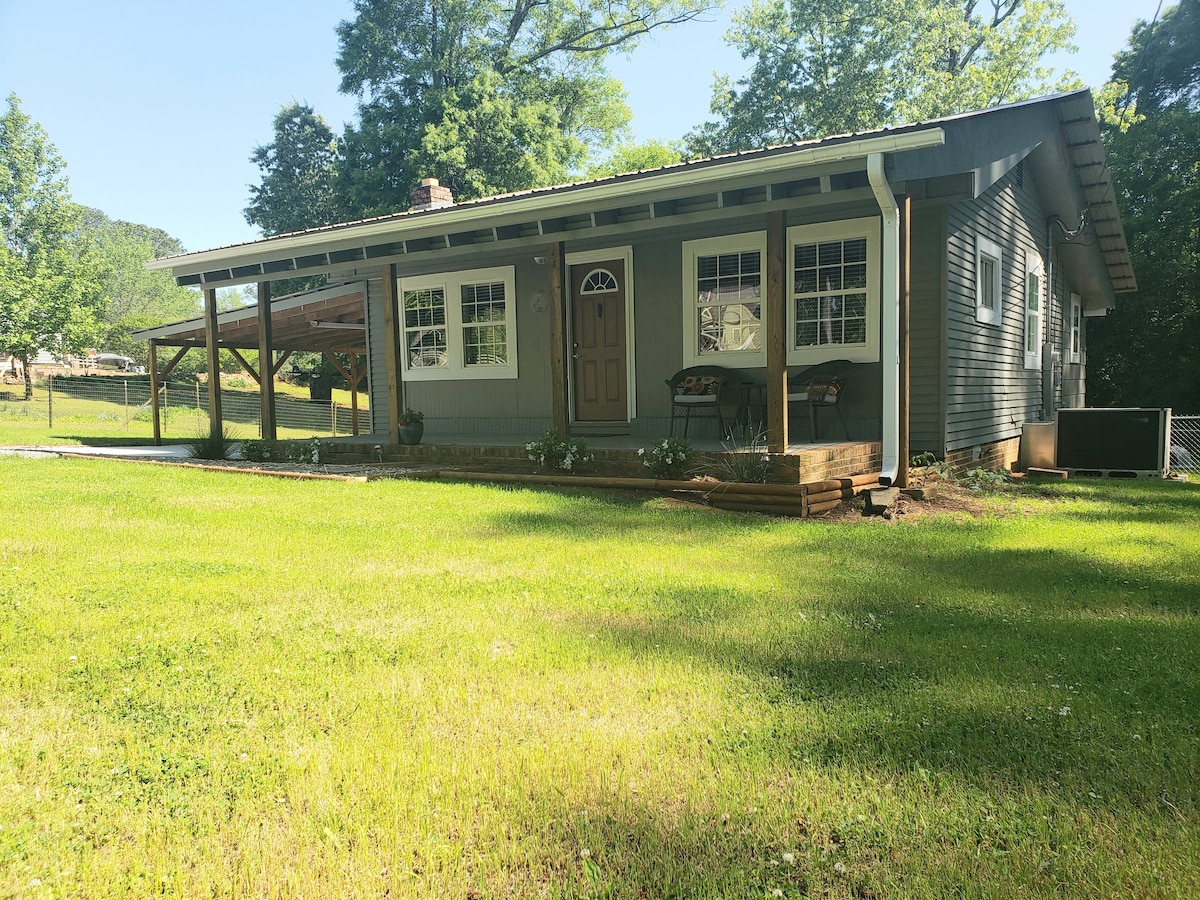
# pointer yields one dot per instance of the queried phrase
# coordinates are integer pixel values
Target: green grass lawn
(92, 421)
(224, 685)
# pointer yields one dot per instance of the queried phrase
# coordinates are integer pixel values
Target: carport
(327, 320)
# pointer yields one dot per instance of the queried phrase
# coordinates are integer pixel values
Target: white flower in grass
(1064, 711)
(839, 867)
(585, 853)
(778, 892)
(789, 858)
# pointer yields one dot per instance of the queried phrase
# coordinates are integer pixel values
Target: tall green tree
(821, 67)
(1147, 351)
(650, 154)
(51, 277)
(298, 172)
(137, 298)
(485, 95)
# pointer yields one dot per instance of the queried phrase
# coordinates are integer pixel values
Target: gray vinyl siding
(989, 392)
(523, 405)
(927, 329)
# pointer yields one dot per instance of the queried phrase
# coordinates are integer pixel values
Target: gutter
(889, 351)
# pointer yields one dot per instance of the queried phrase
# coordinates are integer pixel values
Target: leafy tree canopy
(822, 67)
(1147, 351)
(637, 158)
(51, 276)
(298, 171)
(486, 96)
(136, 298)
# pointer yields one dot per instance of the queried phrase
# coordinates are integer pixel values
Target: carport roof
(329, 319)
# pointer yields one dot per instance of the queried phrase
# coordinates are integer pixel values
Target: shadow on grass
(1012, 667)
(115, 441)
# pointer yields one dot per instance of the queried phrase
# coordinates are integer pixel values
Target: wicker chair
(701, 390)
(820, 387)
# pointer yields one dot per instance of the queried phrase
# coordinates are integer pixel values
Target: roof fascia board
(419, 258)
(541, 205)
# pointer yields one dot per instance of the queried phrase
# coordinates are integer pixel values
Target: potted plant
(412, 426)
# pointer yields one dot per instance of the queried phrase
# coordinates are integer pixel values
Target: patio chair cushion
(699, 385)
(818, 392)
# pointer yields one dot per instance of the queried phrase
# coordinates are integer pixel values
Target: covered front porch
(616, 455)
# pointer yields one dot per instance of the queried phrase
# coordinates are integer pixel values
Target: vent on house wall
(1019, 174)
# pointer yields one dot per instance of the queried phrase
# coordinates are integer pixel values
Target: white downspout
(889, 330)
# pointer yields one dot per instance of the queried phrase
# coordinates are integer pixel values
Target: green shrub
(553, 452)
(669, 458)
(260, 451)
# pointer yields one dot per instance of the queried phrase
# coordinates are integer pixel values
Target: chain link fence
(1185, 444)
(115, 407)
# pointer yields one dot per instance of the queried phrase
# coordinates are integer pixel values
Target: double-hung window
(459, 325)
(723, 296)
(989, 259)
(1034, 306)
(833, 300)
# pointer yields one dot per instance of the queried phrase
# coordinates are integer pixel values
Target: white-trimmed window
(1035, 276)
(723, 289)
(989, 259)
(1075, 330)
(459, 325)
(833, 301)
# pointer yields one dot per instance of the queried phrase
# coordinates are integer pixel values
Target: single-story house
(952, 263)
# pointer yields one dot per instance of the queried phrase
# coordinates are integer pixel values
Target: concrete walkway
(172, 451)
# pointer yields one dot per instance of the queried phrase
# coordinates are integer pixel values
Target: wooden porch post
(775, 332)
(391, 329)
(211, 341)
(154, 411)
(902, 442)
(354, 394)
(556, 260)
(266, 359)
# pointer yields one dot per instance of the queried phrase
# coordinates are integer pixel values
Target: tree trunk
(28, 377)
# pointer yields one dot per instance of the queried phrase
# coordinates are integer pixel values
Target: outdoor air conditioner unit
(1119, 443)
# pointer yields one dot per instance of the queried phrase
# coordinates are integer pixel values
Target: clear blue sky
(156, 106)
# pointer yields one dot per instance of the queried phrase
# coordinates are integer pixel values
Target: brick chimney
(431, 195)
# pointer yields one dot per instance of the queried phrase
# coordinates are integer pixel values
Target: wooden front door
(598, 342)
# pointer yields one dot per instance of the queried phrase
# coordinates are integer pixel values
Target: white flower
(585, 853)
(839, 867)
(1064, 711)
(789, 858)
(778, 892)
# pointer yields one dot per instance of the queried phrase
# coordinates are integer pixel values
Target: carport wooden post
(211, 342)
(154, 411)
(391, 328)
(266, 358)
(775, 328)
(558, 339)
